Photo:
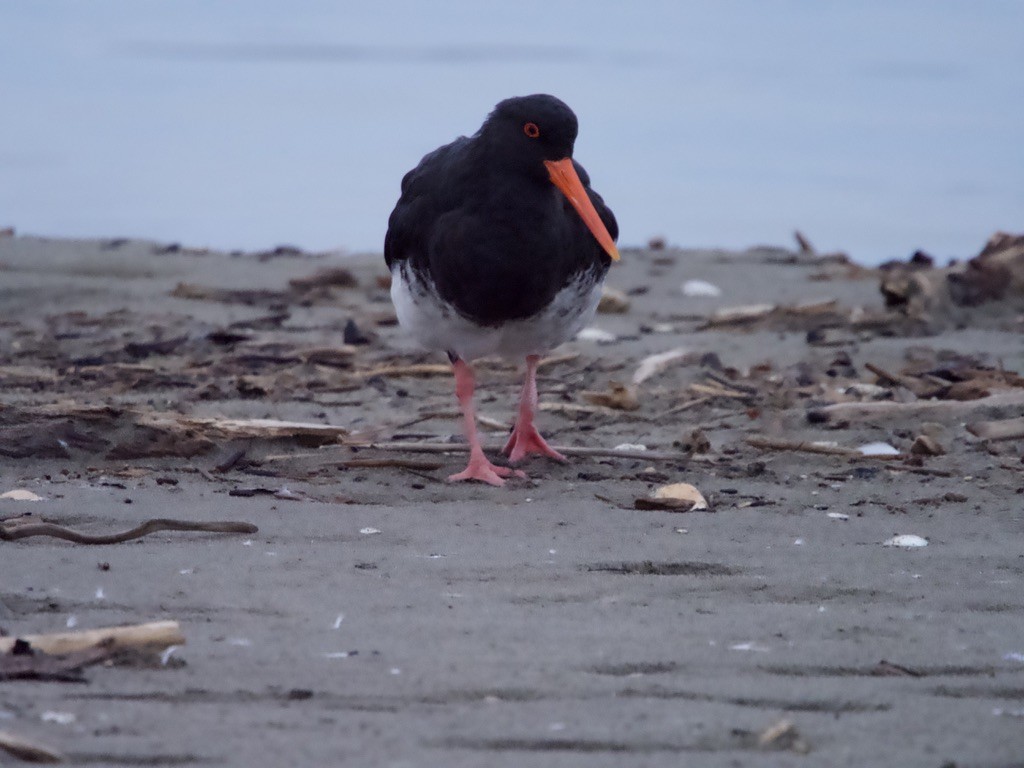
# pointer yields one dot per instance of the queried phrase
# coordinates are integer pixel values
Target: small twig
(921, 470)
(547, 362)
(574, 408)
(904, 381)
(484, 421)
(719, 391)
(719, 379)
(684, 406)
(23, 531)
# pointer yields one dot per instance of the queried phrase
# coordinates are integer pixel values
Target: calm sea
(875, 127)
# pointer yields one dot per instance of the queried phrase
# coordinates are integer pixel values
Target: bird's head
(535, 134)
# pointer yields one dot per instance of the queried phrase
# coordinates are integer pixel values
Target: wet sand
(382, 616)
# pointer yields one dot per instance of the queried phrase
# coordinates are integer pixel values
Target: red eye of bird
(531, 130)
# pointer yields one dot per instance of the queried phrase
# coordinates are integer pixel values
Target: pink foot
(479, 468)
(524, 442)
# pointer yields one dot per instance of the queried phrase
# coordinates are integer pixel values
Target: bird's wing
(425, 196)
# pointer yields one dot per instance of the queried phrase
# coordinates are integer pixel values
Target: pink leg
(479, 468)
(525, 438)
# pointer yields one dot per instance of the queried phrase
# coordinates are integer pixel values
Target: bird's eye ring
(531, 130)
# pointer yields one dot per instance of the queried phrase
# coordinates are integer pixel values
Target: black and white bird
(498, 245)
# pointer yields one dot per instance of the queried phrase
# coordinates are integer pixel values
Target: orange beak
(563, 175)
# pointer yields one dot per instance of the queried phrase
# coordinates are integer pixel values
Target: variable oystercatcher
(498, 246)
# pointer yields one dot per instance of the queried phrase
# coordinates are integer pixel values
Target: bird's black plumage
(480, 222)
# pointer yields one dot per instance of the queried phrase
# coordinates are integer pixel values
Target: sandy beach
(382, 616)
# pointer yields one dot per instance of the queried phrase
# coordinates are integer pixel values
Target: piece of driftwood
(996, 273)
(738, 315)
(240, 428)
(654, 364)
(803, 446)
(683, 407)
(930, 409)
(717, 391)
(29, 751)
(729, 384)
(572, 409)
(553, 360)
(152, 636)
(18, 528)
(906, 382)
(1004, 429)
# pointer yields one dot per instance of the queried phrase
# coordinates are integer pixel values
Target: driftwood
(652, 365)
(240, 428)
(572, 409)
(802, 446)
(996, 273)
(930, 409)
(683, 407)
(16, 528)
(1005, 429)
(907, 382)
(717, 390)
(153, 636)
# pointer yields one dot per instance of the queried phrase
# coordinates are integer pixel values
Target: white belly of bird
(435, 325)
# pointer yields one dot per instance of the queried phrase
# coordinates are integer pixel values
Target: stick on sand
(155, 635)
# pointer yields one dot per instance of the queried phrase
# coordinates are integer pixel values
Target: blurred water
(875, 127)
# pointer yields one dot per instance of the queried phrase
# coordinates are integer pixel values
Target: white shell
(878, 449)
(20, 494)
(907, 540)
(701, 288)
(595, 334)
(638, 447)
